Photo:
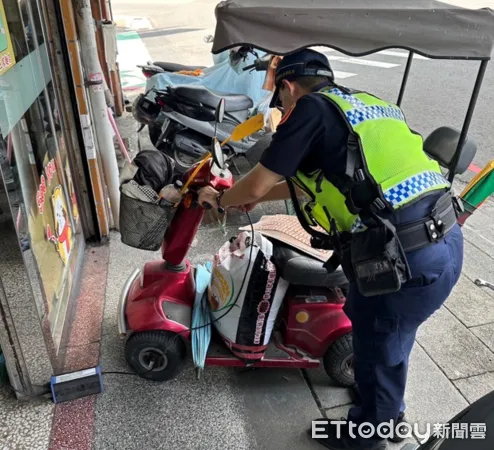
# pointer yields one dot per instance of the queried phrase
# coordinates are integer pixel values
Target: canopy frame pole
(405, 79)
(468, 120)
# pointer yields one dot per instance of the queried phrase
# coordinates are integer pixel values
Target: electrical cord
(47, 386)
(214, 320)
(241, 286)
(153, 362)
(236, 300)
(217, 318)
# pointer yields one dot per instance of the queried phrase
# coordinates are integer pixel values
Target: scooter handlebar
(208, 207)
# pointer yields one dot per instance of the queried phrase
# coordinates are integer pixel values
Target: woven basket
(143, 225)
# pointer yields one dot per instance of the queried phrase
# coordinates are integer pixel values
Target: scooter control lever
(221, 210)
(207, 206)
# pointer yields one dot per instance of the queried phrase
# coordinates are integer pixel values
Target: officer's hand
(207, 194)
(248, 207)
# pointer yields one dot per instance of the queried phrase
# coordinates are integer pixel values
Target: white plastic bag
(246, 321)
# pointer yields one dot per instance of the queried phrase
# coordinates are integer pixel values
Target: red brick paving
(73, 421)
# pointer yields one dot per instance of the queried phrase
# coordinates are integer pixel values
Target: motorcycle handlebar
(260, 65)
(244, 51)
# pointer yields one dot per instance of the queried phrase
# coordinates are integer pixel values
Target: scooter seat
(208, 97)
(300, 269)
(174, 67)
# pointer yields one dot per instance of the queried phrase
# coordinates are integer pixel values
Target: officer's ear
(290, 86)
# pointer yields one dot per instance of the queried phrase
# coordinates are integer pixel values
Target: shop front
(41, 237)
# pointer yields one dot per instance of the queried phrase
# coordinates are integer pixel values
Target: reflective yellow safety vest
(391, 158)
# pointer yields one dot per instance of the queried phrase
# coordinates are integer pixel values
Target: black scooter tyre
(337, 359)
(166, 349)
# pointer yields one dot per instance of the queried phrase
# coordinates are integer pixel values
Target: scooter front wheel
(338, 361)
(156, 355)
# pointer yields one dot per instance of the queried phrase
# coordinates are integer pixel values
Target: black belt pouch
(374, 259)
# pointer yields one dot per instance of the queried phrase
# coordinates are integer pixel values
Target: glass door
(35, 167)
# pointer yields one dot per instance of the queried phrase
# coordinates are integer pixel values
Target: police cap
(299, 64)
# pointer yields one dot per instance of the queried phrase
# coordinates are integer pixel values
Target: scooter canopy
(356, 27)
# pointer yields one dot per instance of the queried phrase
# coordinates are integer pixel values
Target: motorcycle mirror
(218, 156)
(220, 111)
(246, 128)
(208, 39)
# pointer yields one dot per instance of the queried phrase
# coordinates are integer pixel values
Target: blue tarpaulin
(222, 77)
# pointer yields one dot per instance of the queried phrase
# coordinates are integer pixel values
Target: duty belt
(431, 229)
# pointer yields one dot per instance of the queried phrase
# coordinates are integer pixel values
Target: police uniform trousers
(385, 326)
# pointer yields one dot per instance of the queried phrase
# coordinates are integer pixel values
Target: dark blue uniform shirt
(313, 137)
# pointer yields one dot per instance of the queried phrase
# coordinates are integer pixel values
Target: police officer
(388, 214)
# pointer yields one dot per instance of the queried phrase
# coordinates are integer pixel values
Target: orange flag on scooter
(246, 128)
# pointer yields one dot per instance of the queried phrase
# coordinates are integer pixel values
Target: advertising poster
(52, 235)
(7, 58)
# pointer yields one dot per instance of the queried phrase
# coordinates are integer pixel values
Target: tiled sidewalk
(451, 366)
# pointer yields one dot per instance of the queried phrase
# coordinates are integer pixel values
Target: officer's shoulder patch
(286, 115)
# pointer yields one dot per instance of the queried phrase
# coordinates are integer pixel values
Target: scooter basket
(143, 225)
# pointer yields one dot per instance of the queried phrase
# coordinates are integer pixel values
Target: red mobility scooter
(156, 303)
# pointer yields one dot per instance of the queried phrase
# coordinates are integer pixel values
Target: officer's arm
(279, 192)
(289, 146)
(254, 186)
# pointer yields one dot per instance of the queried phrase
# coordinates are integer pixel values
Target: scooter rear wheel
(338, 361)
(156, 355)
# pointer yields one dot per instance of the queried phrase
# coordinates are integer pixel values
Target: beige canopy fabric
(356, 27)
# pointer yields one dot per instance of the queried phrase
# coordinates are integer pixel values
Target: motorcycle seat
(208, 97)
(300, 269)
(174, 67)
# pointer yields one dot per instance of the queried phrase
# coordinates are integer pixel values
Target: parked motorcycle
(154, 67)
(156, 304)
(181, 119)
